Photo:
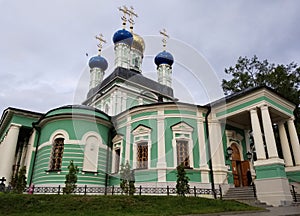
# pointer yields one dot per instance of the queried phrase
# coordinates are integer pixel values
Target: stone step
(240, 193)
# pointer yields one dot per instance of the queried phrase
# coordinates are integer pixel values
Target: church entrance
(239, 168)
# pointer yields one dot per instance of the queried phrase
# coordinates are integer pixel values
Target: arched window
(57, 154)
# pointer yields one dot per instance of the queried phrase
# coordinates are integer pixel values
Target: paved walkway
(271, 211)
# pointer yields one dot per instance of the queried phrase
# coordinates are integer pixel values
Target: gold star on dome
(101, 42)
(165, 36)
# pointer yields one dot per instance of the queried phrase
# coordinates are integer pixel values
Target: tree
(19, 182)
(127, 179)
(284, 79)
(71, 178)
(182, 185)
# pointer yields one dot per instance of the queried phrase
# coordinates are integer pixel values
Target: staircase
(240, 193)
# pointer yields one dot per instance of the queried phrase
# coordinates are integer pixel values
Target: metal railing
(113, 190)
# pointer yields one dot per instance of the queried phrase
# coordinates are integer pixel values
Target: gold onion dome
(138, 43)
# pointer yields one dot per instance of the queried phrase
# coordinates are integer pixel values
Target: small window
(142, 155)
(57, 153)
(183, 153)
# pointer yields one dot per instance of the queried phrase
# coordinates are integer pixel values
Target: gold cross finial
(165, 36)
(101, 42)
(131, 15)
(125, 12)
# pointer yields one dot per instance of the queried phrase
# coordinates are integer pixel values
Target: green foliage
(284, 79)
(71, 179)
(127, 179)
(19, 182)
(182, 185)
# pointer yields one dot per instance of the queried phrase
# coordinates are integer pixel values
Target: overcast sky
(44, 43)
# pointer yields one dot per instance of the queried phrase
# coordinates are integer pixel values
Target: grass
(75, 205)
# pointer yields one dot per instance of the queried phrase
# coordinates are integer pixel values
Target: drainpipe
(107, 161)
(209, 154)
(38, 129)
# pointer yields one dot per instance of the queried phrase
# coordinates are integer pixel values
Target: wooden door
(245, 166)
(235, 173)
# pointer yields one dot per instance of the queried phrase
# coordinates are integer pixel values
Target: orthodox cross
(2, 180)
(165, 36)
(101, 41)
(131, 15)
(125, 12)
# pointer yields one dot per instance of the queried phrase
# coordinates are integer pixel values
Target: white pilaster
(161, 162)
(217, 153)
(294, 141)
(285, 145)
(30, 149)
(257, 135)
(124, 101)
(128, 142)
(202, 150)
(9, 152)
(269, 133)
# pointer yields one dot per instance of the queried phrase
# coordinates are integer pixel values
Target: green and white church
(129, 117)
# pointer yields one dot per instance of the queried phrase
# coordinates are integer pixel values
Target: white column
(161, 162)
(294, 141)
(9, 152)
(257, 135)
(285, 145)
(269, 133)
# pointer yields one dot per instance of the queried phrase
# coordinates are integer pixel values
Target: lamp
(229, 152)
(249, 155)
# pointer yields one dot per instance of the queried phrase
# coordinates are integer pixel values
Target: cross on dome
(125, 12)
(131, 15)
(101, 42)
(165, 36)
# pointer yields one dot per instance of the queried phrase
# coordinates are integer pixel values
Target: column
(269, 133)
(9, 152)
(258, 141)
(285, 145)
(161, 162)
(294, 141)
(128, 143)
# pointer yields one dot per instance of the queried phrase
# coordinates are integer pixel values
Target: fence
(112, 190)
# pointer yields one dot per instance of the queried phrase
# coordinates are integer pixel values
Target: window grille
(142, 155)
(57, 153)
(183, 152)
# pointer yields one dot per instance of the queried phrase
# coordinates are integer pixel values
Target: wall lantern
(229, 152)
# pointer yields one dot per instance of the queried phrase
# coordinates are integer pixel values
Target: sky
(44, 44)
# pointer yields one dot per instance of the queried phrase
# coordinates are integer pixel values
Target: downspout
(38, 129)
(209, 154)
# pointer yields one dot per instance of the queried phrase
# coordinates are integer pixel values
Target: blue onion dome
(123, 36)
(138, 43)
(98, 62)
(164, 57)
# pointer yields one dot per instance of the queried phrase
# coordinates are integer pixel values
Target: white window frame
(141, 134)
(182, 131)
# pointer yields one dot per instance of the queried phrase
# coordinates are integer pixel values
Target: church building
(128, 117)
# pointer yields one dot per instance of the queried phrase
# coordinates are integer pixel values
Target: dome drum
(98, 62)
